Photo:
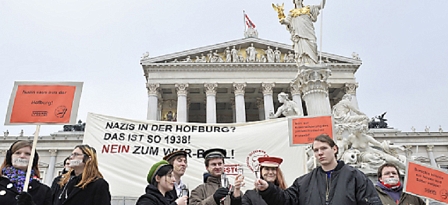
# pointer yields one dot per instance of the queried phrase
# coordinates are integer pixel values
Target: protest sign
(426, 181)
(303, 130)
(127, 148)
(44, 103)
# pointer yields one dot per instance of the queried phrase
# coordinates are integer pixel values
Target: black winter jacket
(41, 193)
(153, 197)
(95, 193)
(346, 185)
(251, 197)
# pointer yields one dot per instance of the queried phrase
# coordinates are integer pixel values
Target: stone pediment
(420, 158)
(239, 51)
(442, 158)
(42, 164)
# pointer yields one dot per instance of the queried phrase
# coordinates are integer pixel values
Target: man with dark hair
(333, 182)
(390, 189)
(179, 161)
(211, 192)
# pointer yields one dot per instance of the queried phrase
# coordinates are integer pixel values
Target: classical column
(260, 106)
(240, 107)
(432, 159)
(210, 92)
(153, 91)
(182, 90)
(50, 171)
(295, 93)
(312, 80)
(232, 104)
(159, 109)
(2, 154)
(268, 100)
(350, 88)
(188, 109)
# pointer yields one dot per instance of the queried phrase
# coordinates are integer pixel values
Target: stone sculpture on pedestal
(299, 22)
(356, 147)
(311, 77)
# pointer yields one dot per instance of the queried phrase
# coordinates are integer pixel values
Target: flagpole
(244, 21)
(321, 27)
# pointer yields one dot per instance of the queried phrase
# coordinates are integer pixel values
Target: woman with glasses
(83, 183)
(13, 176)
(161, 181)
(270, 171)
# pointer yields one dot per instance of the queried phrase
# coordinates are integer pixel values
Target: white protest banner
(128, 148)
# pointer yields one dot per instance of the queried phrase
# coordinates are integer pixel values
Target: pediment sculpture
(250, 54)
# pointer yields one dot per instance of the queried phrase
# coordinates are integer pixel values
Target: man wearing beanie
(211, 192)
(160, 182)
(390, 189)
(179, 161)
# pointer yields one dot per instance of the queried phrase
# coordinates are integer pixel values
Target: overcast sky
(403, 46)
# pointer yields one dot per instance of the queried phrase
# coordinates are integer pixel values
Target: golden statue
(279, 9)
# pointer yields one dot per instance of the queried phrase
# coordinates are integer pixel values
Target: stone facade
(240, 74)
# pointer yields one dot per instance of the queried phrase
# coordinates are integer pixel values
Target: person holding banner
(83, 184)
(178, 159)
(270, 171)
(333, 182)
(390, 189)
(56, 180)
(212, 191)
(161, 181)
(12, 177)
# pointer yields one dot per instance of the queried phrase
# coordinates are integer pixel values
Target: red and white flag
(249, 22)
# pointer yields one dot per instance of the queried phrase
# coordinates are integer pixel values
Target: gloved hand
(25, 198)
(219, 194)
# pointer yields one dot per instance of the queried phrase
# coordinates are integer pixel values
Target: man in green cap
(211, 192)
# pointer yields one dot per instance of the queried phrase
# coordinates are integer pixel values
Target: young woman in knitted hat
(160, 181)
(270, 171)
(83, 184)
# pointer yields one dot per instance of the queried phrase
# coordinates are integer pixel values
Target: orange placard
(304, 130)
(42, 104)
(427, 182)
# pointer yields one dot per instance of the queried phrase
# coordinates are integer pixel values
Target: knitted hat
(155, 168)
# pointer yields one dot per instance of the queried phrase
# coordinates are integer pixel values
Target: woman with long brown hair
(13, 176)
(83, 184)
(269, 171)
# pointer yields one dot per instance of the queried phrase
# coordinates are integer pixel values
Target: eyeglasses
(75, 154)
